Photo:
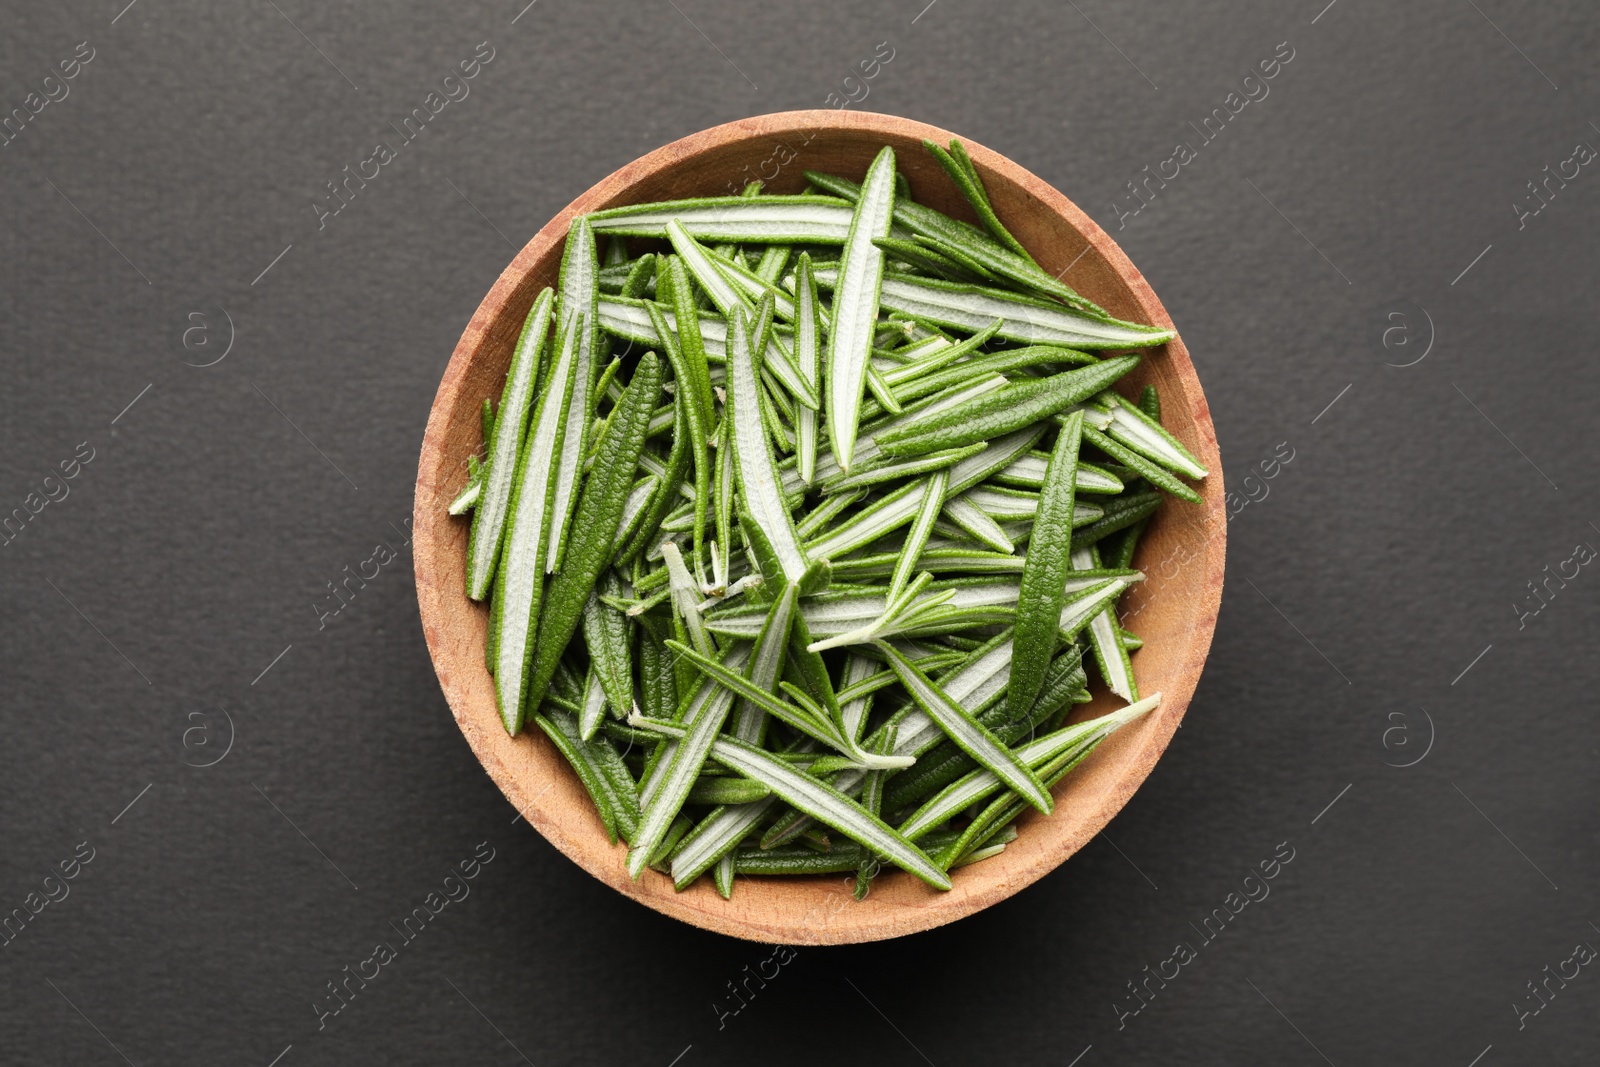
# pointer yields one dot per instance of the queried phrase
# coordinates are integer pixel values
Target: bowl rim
(465, 681)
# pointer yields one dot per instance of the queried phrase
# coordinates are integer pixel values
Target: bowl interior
(1181, 553)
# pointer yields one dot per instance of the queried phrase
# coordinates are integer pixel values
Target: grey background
(1369, 609)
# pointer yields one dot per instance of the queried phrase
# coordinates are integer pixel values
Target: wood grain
(1182, 551)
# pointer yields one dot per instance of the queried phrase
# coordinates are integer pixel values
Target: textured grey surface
(1381, 562)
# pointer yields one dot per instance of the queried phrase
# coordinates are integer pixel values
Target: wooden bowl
(1182, 552)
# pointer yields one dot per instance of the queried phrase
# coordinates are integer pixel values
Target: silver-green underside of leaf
(779, 219)
(855, 307)
(971, 308)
